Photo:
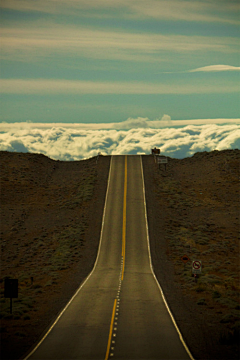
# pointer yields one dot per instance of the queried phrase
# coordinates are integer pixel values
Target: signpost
(11, 290)
(196, 267)
(155, 151)
(162, 160)
(185, 259)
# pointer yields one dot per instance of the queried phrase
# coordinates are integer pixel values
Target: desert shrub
(216, 294)
(227, 318)
(16, 317)
(202, 241)
(38, 291)
(8, 317)
(49, 283)
(2, 314)
(37, 286)
(201, 302)
(200, 288)
(230, 337)
(213, 279)
(20, 334)
(228, 302)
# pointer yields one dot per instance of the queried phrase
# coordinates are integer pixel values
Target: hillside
(193, 210)
(51, 215)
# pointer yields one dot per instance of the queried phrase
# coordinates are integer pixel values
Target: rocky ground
(50, 226)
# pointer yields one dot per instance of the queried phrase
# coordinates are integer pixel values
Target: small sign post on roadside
(155, 151)
(185, 259)
(196, 268)
(11, 290)
(162, 160)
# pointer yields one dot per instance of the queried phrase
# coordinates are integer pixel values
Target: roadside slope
(51, 215)
(193, 210)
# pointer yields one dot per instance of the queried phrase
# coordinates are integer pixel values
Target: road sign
(196, 267)
(11, 288)
(185, 259)
(162, 160)
(155, 151)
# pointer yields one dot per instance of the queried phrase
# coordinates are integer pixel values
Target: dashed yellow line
(111, 328)
(124, 218)
(123, 256)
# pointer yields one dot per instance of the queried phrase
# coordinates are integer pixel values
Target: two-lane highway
(145, 329)
(119, 311)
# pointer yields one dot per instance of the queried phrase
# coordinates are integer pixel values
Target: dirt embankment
(193, 210)
(51, 215)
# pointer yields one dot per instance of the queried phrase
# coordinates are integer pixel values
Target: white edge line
(159, 286)
(81, 286)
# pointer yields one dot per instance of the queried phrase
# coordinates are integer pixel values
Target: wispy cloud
(216, 68)
(71, 143)
(47, 87)
(39, 42)
(204, 11)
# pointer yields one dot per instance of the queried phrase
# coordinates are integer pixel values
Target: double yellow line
(124, 218)
(123, 255)
(111, 329)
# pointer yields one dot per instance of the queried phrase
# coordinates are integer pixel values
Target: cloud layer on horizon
(70, 143)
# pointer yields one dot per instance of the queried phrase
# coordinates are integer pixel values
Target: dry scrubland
(50, 226)
(204, 224)
(196, 213)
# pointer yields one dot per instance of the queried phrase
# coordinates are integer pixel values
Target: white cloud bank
(69, 142)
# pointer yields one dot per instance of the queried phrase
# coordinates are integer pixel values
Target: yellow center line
(123, 255)
(111, 328)
(124, 218)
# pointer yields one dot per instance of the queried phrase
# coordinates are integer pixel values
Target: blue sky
(105, 61)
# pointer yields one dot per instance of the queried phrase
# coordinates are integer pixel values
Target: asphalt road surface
(119, 312)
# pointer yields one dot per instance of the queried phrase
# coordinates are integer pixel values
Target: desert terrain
(51, 214)
(193, 210)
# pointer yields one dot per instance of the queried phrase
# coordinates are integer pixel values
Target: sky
(118, 66)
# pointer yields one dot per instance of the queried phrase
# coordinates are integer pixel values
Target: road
(119, 312)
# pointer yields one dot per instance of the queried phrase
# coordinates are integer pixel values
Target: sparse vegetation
(199, 216)
(45, 213)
